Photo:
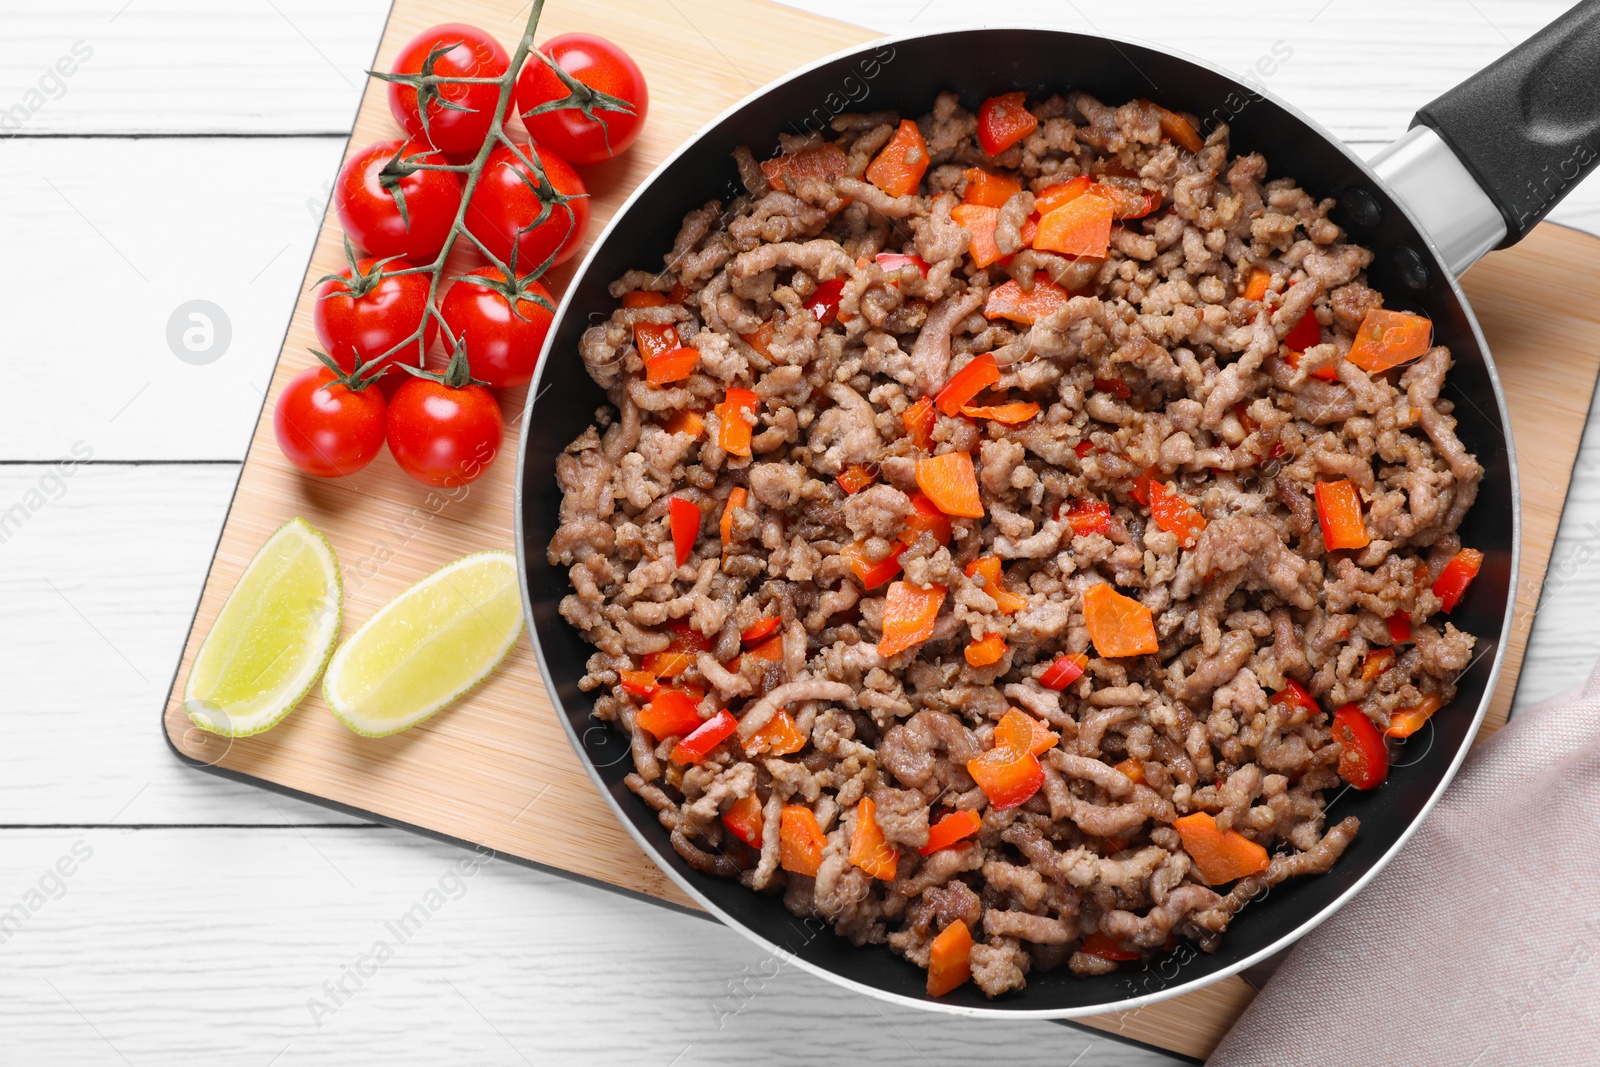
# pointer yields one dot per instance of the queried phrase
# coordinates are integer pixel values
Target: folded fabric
(1480, 943)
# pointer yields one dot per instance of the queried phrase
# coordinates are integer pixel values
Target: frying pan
(1479, 167)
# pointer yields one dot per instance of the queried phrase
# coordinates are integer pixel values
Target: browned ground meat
(1158, 364)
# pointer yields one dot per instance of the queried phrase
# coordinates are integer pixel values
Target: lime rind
(352, 702)
(216, 702)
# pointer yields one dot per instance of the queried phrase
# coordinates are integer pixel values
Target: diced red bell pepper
(736, 499)
(780, 737)
(685, 421)
(855, 478)
(1128, 201)
(1008, 301)
(1175, 127)
(1307, 333)
(1295, 693)
(1399, 627)
(987, 189)
(824, 301)
(1057, 196)
(644, 298)
(672, 366)
(986, 651)
(954, 827)
(744, 820)
(1083, 448)
(770, 650)
(1117, 387)
(1339, 513)
(735, 434)
(654, 339)
(1407, 721)
(1014, 413)
(638, 683)
(670, 713)
(711, 733)
(869, 849)
(892, 261)
(870, 574)
(1452, 582)
(684, 643)
(1007, 776)
(1064, 671)
(1376, 662)
(899, 168)
(919, 419)
(1106, 947)
(684, 516)
(980, 373)
(801, 839)
(1175, 515)
(826, 161)
(760, 629)
(909, 614)
(762, 338)
(1141, 484)
(1364, 763)
(1089, 517)
(1003, 121)
(926, 517)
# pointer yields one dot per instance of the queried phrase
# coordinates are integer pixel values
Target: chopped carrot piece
(1067, 668)
(1407, 721)
(654, 339)
(670, 713)
(987, 189)
(736, 433)
(683, 645)
(744, 820)
(1132, 769)
(899, 168)
(1255, 288)
(1118, 625)
(1452, 582)
(1176, 128)
(826, 161)
(954, 827)
(980, 223)
(926, 517)
(770, 650)
(684, 517)
(801, 840)
(1128, 200)
(1017, 729)
(987, 651)
(869, 849)
(855, 478)
(986, 569)
(872, 574)
(644, 298)
(949, 959)
(1175, 514)
(1389, 338)
(1219, 857)
(1012, 414)
(1003, 121)
(780, 737)
(978, 374)
(706, 737)
(685, 421)
(1105, 946)
(893, 261)
(639, 683)
(1081, 227)
(909, 613)
(1010, 302)
(762, 338)
(951, 482)
(1328, 373)
(1089, 517)
(1339, 513)
(1057, 196)
(1008, 776)
(1376, 662)
(919, 419)
(672, 366)
(736, 499)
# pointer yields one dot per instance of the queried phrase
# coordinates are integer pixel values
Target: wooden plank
(496, 770)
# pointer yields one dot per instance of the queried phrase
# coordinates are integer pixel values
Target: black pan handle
(1527, 127)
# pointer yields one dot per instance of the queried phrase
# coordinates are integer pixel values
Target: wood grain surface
(497, 770)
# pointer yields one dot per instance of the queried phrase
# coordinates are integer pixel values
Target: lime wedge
(271, 638)
(427, 646)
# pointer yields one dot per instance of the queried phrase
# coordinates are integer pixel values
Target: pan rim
(1177, 988)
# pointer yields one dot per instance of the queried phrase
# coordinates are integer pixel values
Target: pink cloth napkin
(1479, 944)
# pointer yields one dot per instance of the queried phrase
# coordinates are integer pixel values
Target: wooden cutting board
(497, 770)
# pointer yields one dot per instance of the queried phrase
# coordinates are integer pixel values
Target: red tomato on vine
(366, 312)
(453, 118)
(391, 208)
(514, 208)
(609, 97)
(329, 421)
(445, 429)
(502, 344)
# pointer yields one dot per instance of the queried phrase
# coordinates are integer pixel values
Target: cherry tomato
(443, 433)
(453, 50)
(327, 423)
(364, 312)
(502, 346)
(593, 132)
(365, 197)
(509, 199)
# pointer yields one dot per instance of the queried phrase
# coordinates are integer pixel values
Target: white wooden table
(157, 915)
